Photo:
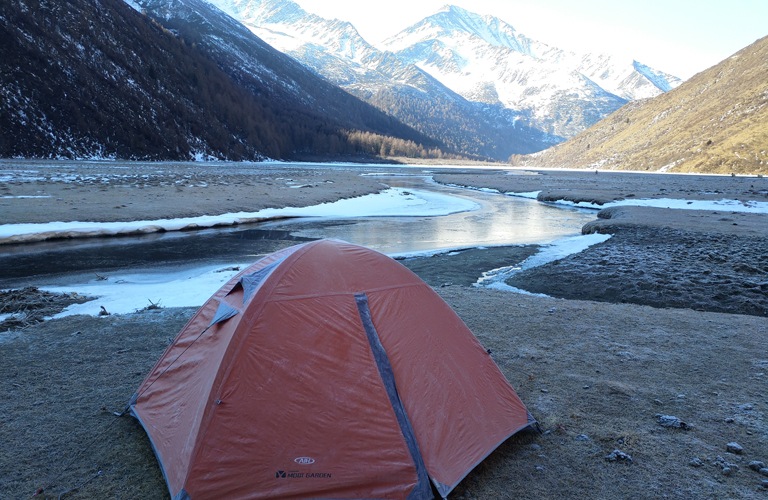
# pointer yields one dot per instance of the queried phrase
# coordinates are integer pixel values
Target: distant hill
(98, 79)
(716, 122)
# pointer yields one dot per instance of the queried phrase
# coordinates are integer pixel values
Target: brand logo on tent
(304, 460)
(280, 474)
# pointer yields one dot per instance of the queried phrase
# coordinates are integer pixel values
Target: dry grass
(716, 122)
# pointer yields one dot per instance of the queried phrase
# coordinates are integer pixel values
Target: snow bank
(547, 253)
(127, 293)
(392, 202)
(724, 205)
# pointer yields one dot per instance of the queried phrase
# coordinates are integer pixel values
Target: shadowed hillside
(716, 122)
(95, 78)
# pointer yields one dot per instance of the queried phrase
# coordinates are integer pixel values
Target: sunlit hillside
(716, 122)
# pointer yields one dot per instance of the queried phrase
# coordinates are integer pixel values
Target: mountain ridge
(379, 77)
(527, 97)
(501, 65)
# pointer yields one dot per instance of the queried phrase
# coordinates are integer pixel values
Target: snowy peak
(290, 29)
(457, 23)
(487, 52)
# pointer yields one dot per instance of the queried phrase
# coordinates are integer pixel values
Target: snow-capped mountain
(465, 79)
(335, 50)
(485, 59)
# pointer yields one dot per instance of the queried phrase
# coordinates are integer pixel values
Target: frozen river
(143, 265)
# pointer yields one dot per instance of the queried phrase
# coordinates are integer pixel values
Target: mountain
(336, 51)
(715, 122)
(96, 78)
(486, 60)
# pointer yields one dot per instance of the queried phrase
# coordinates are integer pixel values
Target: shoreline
(592, 370)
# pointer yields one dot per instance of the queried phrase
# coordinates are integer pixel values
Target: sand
(594, 371)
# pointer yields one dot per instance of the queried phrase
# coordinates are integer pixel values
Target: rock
(658, 402)
(696, 463)
(763, 472)
(756, 465)
(734, 447)
(581, 437)
(670, 421)
(618, 455)
(534, 446)
(585, 387)
(727, 471)
(545, 391)
(765, 484)
(729, 420)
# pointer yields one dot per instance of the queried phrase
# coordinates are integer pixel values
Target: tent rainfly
(325, 370)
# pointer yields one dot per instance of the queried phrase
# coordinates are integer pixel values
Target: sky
(681, 37)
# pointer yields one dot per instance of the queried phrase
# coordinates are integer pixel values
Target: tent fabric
(343, 375)
(223, 313)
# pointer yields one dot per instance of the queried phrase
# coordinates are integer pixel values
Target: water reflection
(503, 220)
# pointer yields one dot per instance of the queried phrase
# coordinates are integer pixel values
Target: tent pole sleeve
(422, 490)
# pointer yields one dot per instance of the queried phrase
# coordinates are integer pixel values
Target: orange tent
(325, 370)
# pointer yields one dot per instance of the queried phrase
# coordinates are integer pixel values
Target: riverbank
(593, 371)
(39, 192)
(604, 187)
(707, 260)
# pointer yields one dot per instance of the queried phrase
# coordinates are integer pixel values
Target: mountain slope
(485, 59)
(96, 78)
(716, 122)
(335, 50)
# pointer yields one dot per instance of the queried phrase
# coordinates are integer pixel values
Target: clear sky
(681, 37)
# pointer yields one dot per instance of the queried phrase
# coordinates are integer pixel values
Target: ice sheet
(723, 205)
(126, 293)
(122, 294)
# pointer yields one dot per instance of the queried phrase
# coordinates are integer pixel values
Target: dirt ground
(604, 187)
(594, 371)
(594, 374)
(707, 261)
(35, 192)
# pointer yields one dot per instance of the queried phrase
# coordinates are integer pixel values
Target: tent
(325, 370)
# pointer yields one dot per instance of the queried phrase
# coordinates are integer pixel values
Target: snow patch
(127, 293)
(556, 250)
(394, 202)
(724, 205)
